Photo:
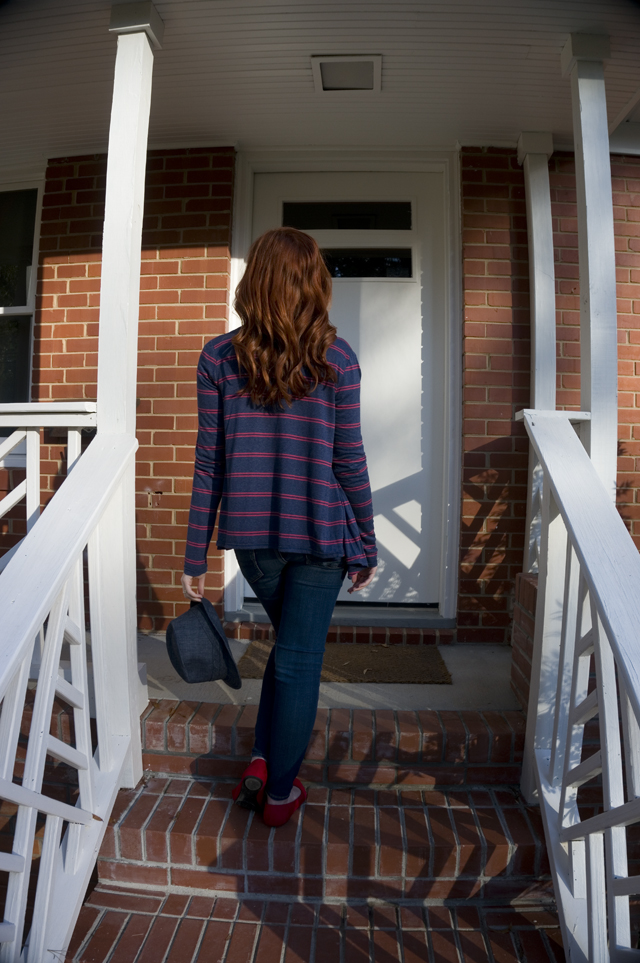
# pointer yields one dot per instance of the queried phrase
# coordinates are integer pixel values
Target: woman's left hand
(193, 587)
(362, 578)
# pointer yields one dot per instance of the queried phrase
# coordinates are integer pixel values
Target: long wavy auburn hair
(283, 300)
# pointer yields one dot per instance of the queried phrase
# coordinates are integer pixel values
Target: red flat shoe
(279, 815)
(249, 793)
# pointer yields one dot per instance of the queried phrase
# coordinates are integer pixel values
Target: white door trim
(447, 162)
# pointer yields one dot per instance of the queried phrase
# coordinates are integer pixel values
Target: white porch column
(139, 28)
(582, 60)
(113, 551)
(534, 151)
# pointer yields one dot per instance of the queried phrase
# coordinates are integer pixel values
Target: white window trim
(17, 459)
(447, 162)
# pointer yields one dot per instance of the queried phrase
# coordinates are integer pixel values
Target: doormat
(358, 662)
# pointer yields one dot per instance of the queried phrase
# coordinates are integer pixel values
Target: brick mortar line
(482, 878)
(426, 902)
(326, 783)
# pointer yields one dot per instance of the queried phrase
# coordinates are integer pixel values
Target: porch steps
(414, 845)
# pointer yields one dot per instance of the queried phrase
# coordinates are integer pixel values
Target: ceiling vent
(337, 74)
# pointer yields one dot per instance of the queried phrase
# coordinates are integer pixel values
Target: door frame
(447, 163)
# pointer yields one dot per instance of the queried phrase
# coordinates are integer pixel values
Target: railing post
(534, 151)
(112, 550)
(582, 60)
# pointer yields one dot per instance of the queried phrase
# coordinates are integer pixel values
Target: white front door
(383, 237)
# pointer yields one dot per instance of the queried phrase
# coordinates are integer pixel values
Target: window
(368, 262)
(347, 215)
(18, 219)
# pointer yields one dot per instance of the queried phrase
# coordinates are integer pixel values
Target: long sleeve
(349, 459)
(208, 477)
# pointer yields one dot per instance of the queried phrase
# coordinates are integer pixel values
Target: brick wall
(524, 616)
(495, 385)
(184, 297)
(497, 360)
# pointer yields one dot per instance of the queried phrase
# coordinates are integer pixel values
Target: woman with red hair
(280, 452)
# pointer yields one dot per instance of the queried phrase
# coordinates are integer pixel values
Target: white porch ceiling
(239, 72)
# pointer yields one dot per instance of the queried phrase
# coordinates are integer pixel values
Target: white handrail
(48, 414)
(21, 449)
(587, 632)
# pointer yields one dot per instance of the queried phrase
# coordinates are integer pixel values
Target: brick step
(424, 748)
(362, 634)
(123, 926)
(344, 844)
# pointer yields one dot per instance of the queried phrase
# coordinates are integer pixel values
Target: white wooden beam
(121, 249)
(582, 60)
(534, 150)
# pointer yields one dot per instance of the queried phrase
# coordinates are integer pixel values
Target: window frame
(30, 307)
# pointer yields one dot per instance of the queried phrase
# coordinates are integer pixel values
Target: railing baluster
(33, 477)
(18, 884)
(596, 899)
(41, 915)
(631, 737)
(567, 648)
(568, 809)
(11, 719)
(78, 657)
(544, 669)
(612, 784)
(74, 447)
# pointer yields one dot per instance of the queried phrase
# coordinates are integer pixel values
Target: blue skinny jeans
(298, 593)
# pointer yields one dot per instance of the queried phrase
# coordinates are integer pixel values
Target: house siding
(184, 302)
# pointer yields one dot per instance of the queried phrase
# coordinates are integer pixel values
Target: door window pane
(17, 225)
(347, 215)
(369, 262)
(15, 339)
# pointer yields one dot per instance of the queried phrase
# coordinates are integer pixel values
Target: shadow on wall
(149, 605)
(494, 504)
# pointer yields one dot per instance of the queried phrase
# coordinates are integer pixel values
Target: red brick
(156, 838)
(386, 736)
(182, 831)
(362, 737)
(339, 734)
(155, 724)
(208, 831)
(130, 830)
(497, 847)
(337, 852)
(270, 945)
(199, 727)
(391, 842)
(222, 730)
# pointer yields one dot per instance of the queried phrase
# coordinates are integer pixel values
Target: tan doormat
(353, 662)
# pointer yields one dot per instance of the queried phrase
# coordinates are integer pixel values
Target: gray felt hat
(198, 648)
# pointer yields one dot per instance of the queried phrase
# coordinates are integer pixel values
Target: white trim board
(250, 163)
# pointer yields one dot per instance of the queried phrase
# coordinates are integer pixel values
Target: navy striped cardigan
(295, 479)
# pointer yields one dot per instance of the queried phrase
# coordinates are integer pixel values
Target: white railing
(83, 539)
(586, 665)
(21, 449)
